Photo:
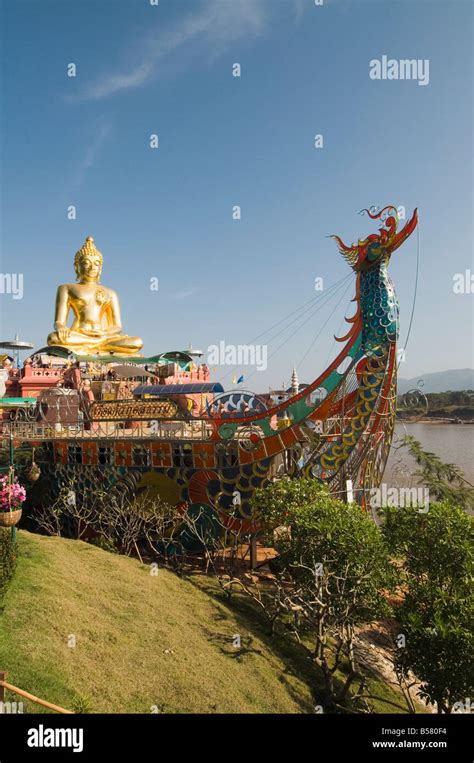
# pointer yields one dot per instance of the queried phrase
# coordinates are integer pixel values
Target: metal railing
(152, 430)
(194, 429)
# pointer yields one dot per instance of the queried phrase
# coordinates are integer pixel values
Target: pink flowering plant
(12, 494)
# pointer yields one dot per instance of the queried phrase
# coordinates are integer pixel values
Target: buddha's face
(89, 268)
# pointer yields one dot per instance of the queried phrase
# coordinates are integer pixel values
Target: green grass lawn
(141, 640)
(143, 643)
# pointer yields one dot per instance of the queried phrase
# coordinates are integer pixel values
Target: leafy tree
(337, 570)
(439, 647)
(436, 615)
(282, 500)
(436, 546)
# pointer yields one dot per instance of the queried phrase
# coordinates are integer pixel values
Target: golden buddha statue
(97, 326)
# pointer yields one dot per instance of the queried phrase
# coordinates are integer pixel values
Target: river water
(453, 443)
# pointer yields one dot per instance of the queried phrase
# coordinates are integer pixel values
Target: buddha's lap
(84, 339)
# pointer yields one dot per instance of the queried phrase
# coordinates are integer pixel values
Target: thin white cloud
(217, 23)
(185, 294)
(112, 83)
(90, 155)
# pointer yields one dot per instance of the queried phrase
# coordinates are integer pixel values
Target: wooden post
(3, 677)
(349, 493)
(38, 701)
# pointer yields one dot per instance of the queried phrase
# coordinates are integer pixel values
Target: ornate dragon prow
(369, 409)
(369, 251)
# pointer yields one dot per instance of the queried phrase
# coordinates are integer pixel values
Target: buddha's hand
(113, 330)
(93, 333)
(63, 333)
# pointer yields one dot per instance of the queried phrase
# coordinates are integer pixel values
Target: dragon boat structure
(338, 428)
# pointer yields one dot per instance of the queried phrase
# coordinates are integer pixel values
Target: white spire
(295, 384)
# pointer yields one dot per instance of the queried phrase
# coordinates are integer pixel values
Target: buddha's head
(88, 262)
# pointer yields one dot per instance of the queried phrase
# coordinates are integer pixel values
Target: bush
(337, 572)
(436, 615)
(437, 546)
(7, 559)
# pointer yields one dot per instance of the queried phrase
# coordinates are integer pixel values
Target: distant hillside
(441, 381)
(454, 405)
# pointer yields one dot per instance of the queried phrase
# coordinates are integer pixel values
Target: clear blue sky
(167, 213)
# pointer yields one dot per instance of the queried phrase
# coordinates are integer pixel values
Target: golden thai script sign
(132, 410)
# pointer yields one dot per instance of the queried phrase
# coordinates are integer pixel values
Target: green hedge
(7, 559)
